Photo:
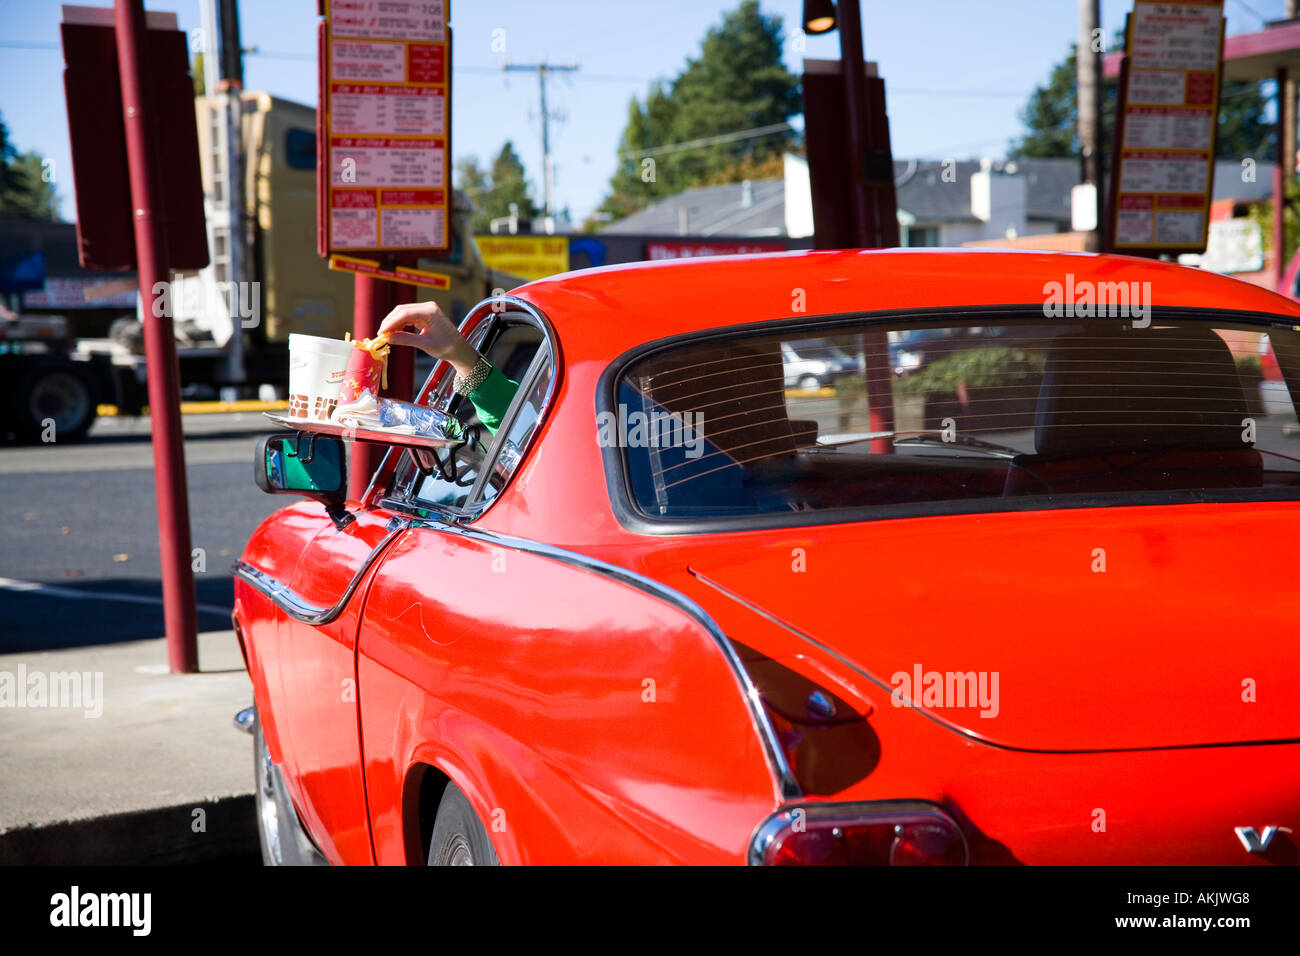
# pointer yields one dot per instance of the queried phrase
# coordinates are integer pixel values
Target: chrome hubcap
(268, 811)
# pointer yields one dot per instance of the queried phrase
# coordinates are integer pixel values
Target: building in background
(940, 202)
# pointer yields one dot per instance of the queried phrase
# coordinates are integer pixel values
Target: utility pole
(223, 82)
(1088, 70)
(543, 71)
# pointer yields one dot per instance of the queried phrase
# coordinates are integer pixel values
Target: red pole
(401, 362)
(1280, 172)
(866, 233)
(160, 345)
(855, 104)
(372, 299)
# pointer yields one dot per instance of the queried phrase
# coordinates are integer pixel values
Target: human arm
(437, 336)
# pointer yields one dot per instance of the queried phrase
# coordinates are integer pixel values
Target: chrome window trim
(543, 360)
(630, 515)
(501, 306)
(474, 336)
(294, 605)
(787, 786)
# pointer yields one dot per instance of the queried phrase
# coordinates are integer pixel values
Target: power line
(708, 141)
(1253, 12)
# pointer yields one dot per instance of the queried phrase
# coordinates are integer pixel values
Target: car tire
(809, 382)
(279, 832)
(58, 391)
(459, 838)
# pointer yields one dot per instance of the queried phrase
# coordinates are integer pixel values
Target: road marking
(208, 408)
(49, 590)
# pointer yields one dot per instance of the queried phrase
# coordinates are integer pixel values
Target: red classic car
(1019, 605)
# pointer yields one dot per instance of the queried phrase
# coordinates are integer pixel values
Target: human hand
(434, 334)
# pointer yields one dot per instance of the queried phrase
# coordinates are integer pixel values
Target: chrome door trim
(787, 785)
(293, 604)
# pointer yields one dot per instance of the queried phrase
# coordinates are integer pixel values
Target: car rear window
(990, 411)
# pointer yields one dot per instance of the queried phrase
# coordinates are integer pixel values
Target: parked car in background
(815, 363)
(674, 612)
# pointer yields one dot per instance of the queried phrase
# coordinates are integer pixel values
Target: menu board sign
(385, 123)
(1169, 107)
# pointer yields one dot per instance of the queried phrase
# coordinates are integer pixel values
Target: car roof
(605, 311)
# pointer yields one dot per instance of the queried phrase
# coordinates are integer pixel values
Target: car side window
(447, 481)
(520, 426)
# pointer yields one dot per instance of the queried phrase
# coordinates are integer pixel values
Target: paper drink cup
(316, 369)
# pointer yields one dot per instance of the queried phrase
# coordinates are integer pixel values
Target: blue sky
(957, 71)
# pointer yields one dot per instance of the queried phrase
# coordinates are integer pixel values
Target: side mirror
(310, 465)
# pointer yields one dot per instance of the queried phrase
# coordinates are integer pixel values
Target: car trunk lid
(1081, 629)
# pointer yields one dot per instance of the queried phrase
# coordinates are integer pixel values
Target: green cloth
(493, 398)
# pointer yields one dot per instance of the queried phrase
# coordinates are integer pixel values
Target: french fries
(378, 348)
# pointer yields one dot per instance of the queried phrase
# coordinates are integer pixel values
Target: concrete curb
(157, 836)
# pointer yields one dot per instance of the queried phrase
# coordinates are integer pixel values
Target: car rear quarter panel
(1170, 806)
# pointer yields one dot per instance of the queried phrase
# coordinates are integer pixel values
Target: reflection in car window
(762, 424)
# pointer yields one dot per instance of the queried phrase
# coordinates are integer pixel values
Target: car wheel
(56, 392)
(809, 382)
(279, 833)
(459, 838)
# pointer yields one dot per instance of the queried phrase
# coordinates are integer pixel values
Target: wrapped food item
(401, 417)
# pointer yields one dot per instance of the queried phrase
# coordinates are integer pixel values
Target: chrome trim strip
(245, 719)
(293, 605)
(787, 786)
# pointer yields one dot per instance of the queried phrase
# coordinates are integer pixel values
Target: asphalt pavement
(79, 562)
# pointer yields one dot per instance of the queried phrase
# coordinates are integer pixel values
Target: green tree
(474, 184)
(1051, 117)
(738, 82)
(491, 192)
(509, 185)
(25, 189)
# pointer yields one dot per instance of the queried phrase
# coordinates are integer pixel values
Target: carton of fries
(366, 372)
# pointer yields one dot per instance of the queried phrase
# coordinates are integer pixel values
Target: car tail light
(905, 833)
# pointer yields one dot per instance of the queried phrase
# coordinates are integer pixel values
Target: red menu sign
(1169, 107)
(385, 123)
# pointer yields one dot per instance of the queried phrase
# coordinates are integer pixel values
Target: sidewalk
(161, 775)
